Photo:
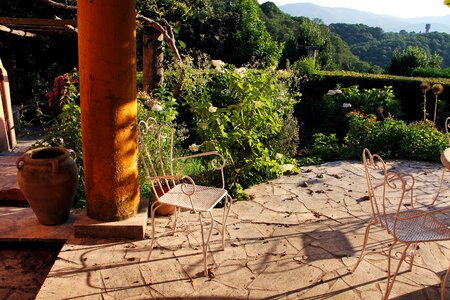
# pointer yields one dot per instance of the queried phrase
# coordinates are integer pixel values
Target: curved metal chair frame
(407, 226)
(444, 170)
(180, 191)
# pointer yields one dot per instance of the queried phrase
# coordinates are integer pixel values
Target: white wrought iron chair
(180, 191)
(409, 226)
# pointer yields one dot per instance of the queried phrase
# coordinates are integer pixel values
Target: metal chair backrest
(375, 172)
(155, 143)
(447, 124)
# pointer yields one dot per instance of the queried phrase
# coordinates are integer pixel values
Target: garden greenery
(247, 115)
(389, 137)
(64, 130)
(338, 102)
(367, 119)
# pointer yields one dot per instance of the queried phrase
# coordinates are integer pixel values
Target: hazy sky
(399, 8)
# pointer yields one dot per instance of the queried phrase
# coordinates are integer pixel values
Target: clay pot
(48, 179)
(163, 210)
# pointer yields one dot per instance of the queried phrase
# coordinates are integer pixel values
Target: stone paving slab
(20, 223)
(292, 241)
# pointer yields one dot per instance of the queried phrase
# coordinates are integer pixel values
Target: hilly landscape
(352, 16)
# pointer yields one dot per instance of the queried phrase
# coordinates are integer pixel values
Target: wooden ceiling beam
(34, 21)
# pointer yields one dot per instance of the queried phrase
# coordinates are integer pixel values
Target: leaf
(182, 44)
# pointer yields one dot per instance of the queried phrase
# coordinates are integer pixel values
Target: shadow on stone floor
(24, 267)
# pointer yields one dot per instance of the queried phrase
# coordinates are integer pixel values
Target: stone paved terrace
(294, 240)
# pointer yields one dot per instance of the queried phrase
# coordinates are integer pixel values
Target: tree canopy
(299, 33)
(376, 47)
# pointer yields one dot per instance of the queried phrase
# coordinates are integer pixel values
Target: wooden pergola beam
(60, 5)
(16, 32)
(36, 22)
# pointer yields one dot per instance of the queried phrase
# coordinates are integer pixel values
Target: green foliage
(383, 137)
(389, 137)
(338, 102)
(325, 146)
(298, 33)
(424, 141)
(64, 91)
(344, 59)
(309, 160)
(407, 91)
(376, 47)
(395, 139)
(405, 61)
(240, 113)
(251, 41)
(65, 129)
(431, 72)
(228, 30)
(305, 66)
(160, 105)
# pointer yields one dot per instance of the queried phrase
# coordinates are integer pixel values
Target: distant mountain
(331, 15)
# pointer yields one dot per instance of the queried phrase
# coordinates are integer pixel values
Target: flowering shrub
(160, 105)
(385, 137)
(423, 141)
(242, 114)
(65, 129)
(338, 102)
(389, 137)
(325, 146)
(65, 90)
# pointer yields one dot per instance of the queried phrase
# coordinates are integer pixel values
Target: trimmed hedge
(406, 89)
(431, 72)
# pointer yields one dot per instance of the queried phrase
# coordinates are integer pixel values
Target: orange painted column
(107, 68)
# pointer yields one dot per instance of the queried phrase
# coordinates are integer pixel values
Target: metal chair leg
(440, 187)
(205, 243)
(366, 236)
(443, 283)
(226, 211)
(152, 217)
(174, 225)
(411, 256)
(391, 279)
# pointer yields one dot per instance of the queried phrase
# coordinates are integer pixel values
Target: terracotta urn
(164, 209)
(47, 178)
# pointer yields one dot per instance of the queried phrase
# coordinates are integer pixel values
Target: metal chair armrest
(211, 153)
(215, 163)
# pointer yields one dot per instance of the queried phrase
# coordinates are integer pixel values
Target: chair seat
(424, 228)
(204, 198)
